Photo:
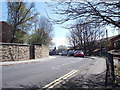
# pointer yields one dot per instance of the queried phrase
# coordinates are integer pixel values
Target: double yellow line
(61, 79)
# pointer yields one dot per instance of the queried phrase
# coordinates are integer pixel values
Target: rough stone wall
(38, 51)
(45, 51)
(11, 52)
(24, 53)
(0, 53)
(14, 52)
(41, 51)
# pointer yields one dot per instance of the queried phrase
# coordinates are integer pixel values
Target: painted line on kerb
(61, 79)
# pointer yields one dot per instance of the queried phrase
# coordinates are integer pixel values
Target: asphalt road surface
(41, 73)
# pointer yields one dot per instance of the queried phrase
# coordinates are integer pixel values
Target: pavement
(26, 61)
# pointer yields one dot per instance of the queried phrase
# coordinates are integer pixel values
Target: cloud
(59, 41)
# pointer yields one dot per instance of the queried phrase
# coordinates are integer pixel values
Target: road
(41, 73)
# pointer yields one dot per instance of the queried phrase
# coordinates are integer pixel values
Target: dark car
(51, 53)
(70, 53)
(118, 51)
(78, 54)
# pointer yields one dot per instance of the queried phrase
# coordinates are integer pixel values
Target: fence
(113, 67)
(15, 51)
(117, 67)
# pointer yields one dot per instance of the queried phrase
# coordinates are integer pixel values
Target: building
(4, 32)
(115, 42)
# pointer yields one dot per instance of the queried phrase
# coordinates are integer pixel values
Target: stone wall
(15, 52)
(38, 51)
(45, 51)
(41, 51)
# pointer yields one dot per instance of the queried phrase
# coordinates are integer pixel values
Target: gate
(32, 52)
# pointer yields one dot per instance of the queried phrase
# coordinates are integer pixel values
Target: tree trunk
(13, 35)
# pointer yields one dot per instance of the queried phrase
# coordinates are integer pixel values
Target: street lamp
(107, 40)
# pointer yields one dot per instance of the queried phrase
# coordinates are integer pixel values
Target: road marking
(61, 79)
(59, 66)
(57, 80)
(55, 68)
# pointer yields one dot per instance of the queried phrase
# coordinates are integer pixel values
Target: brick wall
(4, 32)
(15, 52)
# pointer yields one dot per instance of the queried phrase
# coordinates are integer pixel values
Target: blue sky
(59, 32)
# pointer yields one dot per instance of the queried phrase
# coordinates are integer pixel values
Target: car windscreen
(78, 52)
(71, 51)
(64, 51)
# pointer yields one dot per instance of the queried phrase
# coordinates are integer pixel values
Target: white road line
(59, 66)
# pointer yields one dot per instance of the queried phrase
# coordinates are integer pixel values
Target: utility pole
(110, 65)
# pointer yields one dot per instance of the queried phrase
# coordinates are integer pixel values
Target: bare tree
(85, 36)
(72, 39)
(20, 16)
(43, 32)
(99, 12)
(47, 25)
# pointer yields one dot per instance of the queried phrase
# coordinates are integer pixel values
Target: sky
(59, 32)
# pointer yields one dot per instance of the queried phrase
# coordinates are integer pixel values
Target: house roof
(117, 36)
(110, 38)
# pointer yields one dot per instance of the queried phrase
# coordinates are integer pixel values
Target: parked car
(118, 51)
(51, 53)
(60, 53)
(78, 53)
(64, 53)
(70, 53)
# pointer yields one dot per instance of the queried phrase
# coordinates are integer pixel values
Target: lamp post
(107, 40)
(109, 64)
